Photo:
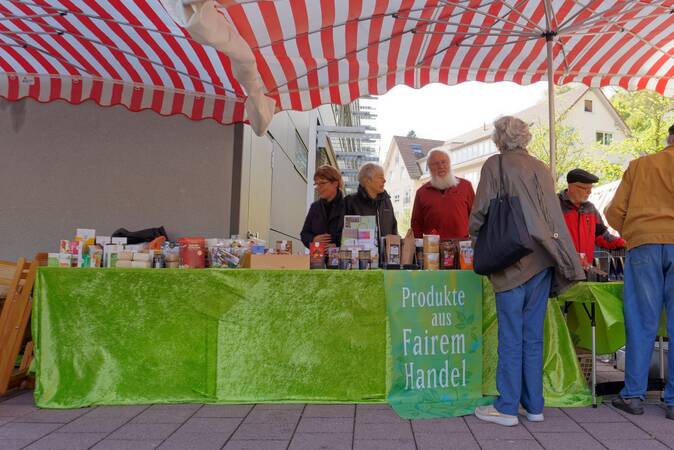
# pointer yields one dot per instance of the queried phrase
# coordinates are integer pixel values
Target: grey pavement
(309, 427)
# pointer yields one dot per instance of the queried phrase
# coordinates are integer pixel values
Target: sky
(438, 111)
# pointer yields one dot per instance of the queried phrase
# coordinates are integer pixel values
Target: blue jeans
(521, 320)
(649, 284)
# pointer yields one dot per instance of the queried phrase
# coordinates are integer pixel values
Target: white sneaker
(531, 417)
(490, 414)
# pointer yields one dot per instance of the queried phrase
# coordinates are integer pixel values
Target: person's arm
(616, 211)
(470, 194)
(395, 221)
(486, 191)
(307, 234)
(417, 221)
(604, 238)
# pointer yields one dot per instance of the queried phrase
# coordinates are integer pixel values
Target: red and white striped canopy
(311, 52)
(114, 52)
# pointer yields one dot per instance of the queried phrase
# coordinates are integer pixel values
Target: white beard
(445, 182)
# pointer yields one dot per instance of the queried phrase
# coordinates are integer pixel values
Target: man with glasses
(442, 206)
(582, 218)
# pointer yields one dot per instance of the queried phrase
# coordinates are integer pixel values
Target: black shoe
(669, 412)
(630, 405)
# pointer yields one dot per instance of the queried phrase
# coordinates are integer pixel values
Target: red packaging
(192, 252)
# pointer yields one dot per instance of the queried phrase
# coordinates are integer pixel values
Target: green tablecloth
(126, 336)
(610, 323)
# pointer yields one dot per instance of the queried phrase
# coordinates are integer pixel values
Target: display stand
(14, 321)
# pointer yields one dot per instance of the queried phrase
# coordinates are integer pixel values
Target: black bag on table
(504, 238)
(138, 237)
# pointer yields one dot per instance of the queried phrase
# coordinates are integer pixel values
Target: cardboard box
(299, 262)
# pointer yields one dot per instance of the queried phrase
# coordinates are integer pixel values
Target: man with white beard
(442, 206)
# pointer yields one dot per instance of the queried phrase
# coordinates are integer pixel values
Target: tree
(411, 134)
(404, 221)
(570, 154)
(648, 116)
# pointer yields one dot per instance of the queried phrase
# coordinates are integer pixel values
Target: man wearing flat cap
(582, 218)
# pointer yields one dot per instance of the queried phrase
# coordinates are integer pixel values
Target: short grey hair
(511, 133)
(368, 171)
(437, 150)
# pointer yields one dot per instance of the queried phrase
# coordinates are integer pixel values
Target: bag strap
(501, 188)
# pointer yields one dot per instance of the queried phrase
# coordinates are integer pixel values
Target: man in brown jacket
(642, 211)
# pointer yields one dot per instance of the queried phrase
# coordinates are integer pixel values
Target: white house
(587, 110)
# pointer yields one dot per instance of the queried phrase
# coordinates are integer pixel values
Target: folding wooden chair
(14, 320)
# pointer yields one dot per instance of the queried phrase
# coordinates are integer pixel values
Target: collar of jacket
(380, 197)
(582, 208)
(334, 200)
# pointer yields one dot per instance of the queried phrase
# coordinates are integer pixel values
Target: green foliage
(570, 154)
(648, 115)
(404, 221)
(411, 134)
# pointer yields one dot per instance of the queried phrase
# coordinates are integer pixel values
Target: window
(406, 200)
(301, 156)
(588, 105)
(397, 159)
(604, 138)
(396, 198)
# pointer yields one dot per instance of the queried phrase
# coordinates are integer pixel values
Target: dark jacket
(318, 220)
(360, 204)
(586, 227)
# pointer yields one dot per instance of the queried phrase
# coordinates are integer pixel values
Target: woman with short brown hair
(325, 219)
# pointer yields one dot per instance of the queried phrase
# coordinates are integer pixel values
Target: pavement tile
(118, 412)
(257, 445)
(568, 441)
(86, 424)
(378, 416)
(666, 438)
(600, 414)
(315, 441)
(223, 411)
(384, 444)
(650, 444)
(4, 420)
(653, 419)
(282, 406)
(552, 425)
(441, 441)
(66, 441)
(150, 415)
(53, 415)
(553, 412)
(16, 410)
(118, 444)
(145, 431)
(383, 431)
(612, 431)
(210, 425)
(484, 430)
(273, 416)
(505, 444)
(323, 425)
(442, 426)
(329, 411)
(194, 441)
(258, 431)
(14, 444)
(32, 431)
(25, 398)
(374, 407)
(176, 406)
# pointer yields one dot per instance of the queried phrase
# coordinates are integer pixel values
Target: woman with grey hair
(522, 290)
(371, 199)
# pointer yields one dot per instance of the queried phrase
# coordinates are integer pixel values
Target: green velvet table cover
(134, 336)
(610, 321)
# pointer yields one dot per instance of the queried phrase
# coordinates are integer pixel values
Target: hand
(324, 238)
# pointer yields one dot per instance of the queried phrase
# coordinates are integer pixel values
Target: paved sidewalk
(271, 427)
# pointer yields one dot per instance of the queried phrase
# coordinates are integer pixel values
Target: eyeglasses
(321, 183)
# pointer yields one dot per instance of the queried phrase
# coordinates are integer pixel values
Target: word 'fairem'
(433, 297)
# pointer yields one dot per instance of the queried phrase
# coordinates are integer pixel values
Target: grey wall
(64, 167)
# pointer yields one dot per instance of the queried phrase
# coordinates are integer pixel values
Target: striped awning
(311, 52)
(114, 52)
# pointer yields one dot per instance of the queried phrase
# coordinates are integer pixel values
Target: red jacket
(443, 212)
(587, 227)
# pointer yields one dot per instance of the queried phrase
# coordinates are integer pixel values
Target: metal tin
(364, 259)
(345, 259)
(158, 261)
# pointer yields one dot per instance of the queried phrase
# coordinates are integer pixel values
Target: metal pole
(551, 108)
(311, 157)
(594, 356)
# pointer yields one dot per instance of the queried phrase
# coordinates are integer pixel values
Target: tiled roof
(413, 149)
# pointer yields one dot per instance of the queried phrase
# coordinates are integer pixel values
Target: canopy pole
(551, 108)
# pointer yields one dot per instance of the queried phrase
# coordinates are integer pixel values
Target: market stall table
(125, 336)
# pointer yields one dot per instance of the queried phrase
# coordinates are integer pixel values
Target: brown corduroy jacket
(642, 210)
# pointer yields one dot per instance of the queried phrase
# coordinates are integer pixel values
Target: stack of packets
(86, 250)
(446, 255)
(359, 238)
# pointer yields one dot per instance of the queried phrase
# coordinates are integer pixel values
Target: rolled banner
(208, 26)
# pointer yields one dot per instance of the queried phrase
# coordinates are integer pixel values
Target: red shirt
(443, 212)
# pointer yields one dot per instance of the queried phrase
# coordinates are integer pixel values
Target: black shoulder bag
(504, 238)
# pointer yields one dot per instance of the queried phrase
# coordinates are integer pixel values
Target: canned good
(345, 259)
(333, 257)
(158, 261)
(364, 259)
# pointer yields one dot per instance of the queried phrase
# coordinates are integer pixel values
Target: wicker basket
(585, 362)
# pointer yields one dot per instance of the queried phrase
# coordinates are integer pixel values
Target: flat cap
(581, 176)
